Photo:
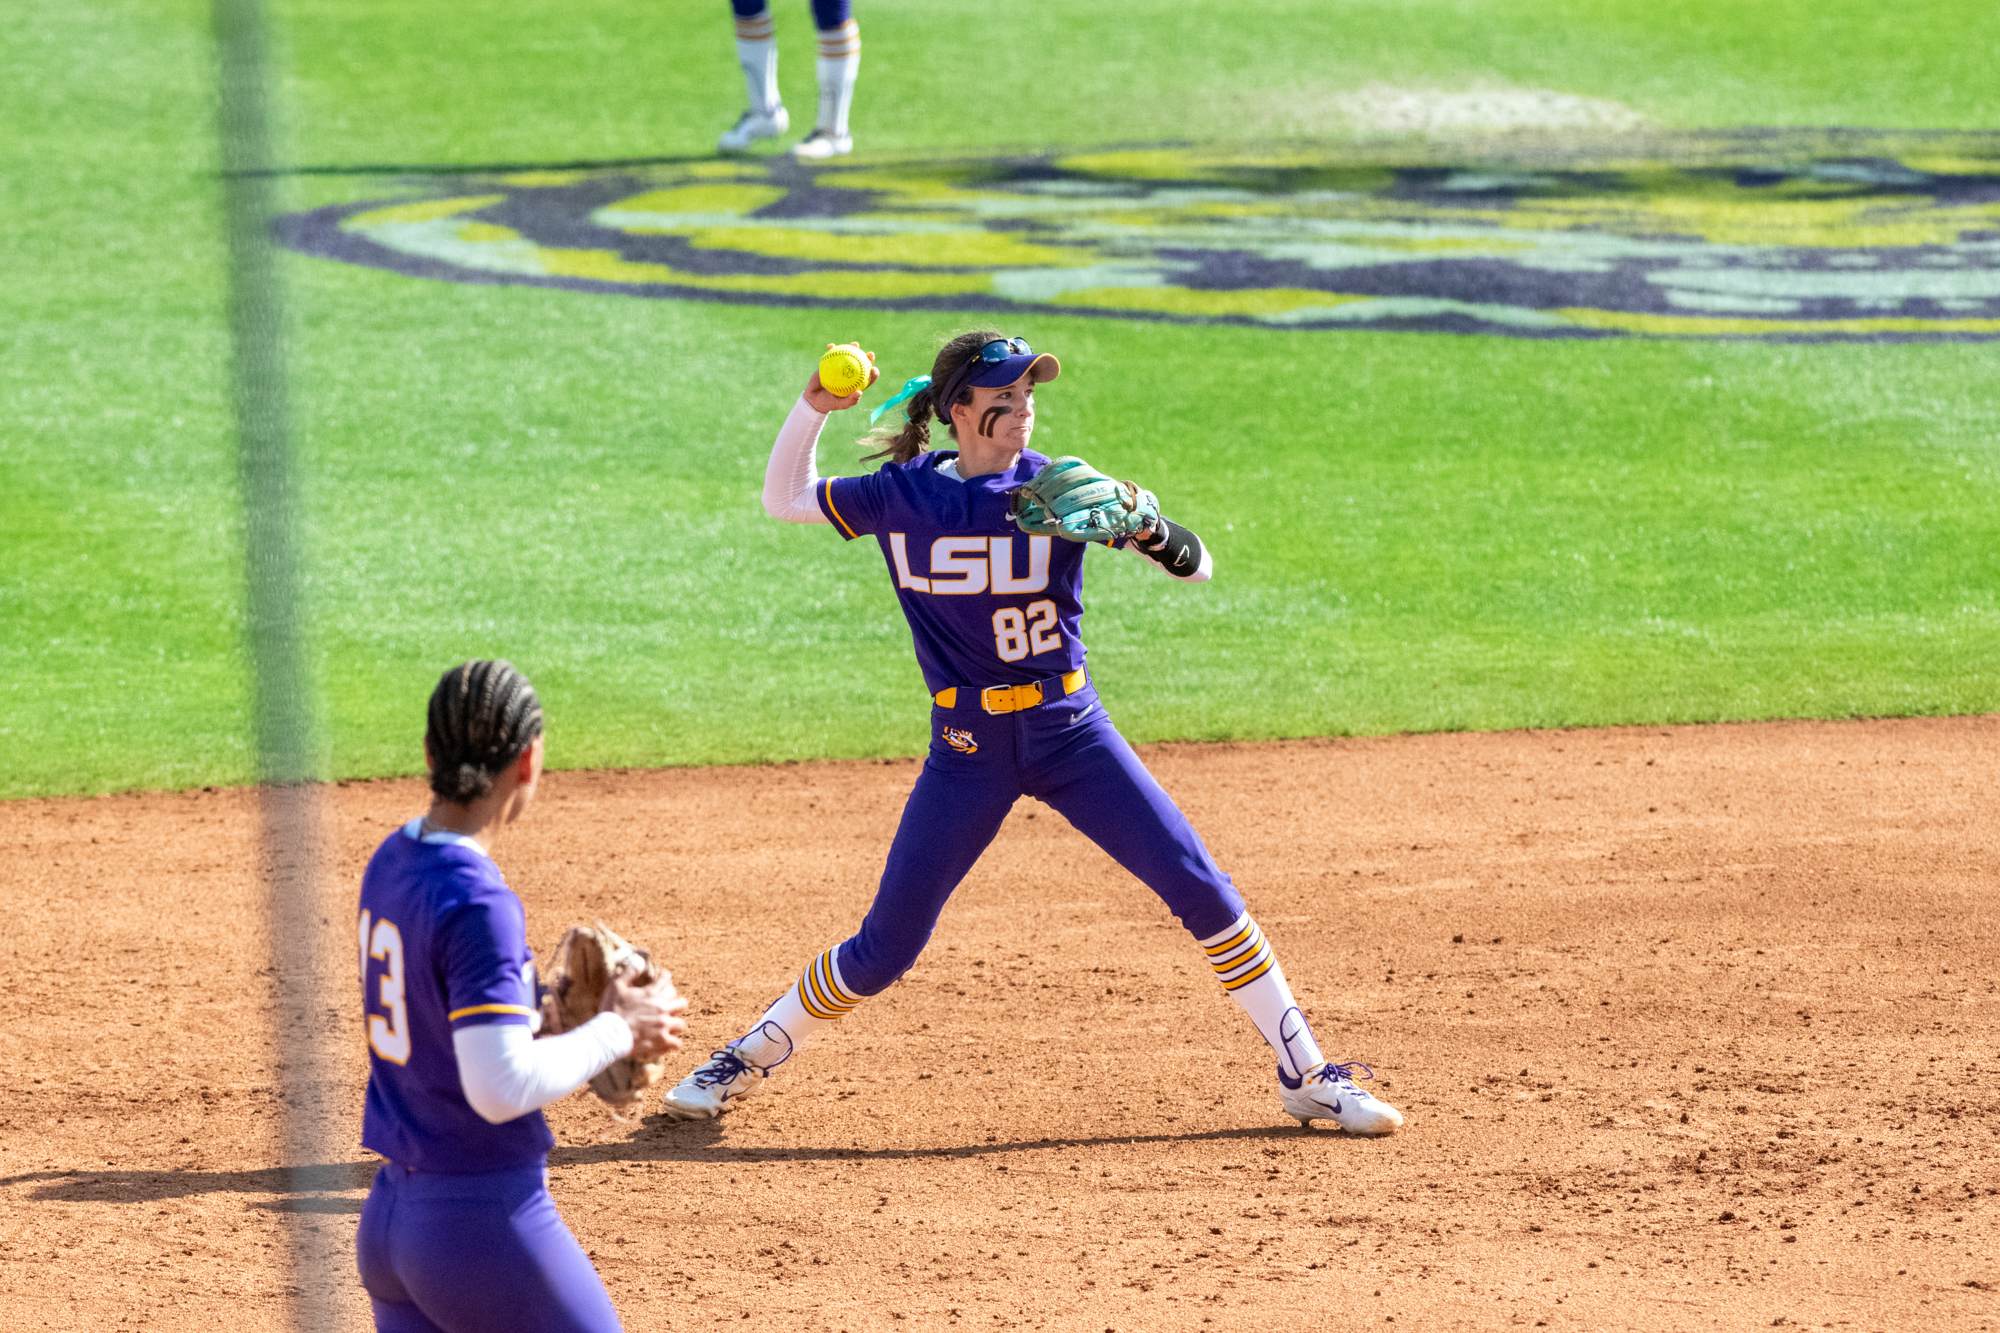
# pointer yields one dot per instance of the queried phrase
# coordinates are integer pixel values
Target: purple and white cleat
(1328, 1092)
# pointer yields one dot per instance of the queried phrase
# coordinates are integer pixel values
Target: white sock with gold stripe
(757, 53)
(817, 998)
(1249, 971)
(839, 60)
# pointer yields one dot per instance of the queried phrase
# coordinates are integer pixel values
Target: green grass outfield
(1413, 531)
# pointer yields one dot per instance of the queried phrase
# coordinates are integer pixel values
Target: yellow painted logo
(1784, 235)
(960, 741)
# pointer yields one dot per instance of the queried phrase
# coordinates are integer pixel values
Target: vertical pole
(281, 675)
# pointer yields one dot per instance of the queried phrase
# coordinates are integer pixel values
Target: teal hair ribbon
(909, 390)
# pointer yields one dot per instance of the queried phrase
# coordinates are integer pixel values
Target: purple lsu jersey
(443, 945)
(987, 603)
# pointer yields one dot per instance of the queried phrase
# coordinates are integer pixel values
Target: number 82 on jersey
(1019, 633)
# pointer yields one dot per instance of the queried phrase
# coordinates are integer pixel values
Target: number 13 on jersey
(1018, 633)
(389, 1029)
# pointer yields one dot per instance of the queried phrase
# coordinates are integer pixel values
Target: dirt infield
(1693, 1027)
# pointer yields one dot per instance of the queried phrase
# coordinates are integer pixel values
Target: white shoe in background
(753, 126)
(822, 144)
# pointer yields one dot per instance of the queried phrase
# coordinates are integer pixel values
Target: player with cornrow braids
(838, 62)
(459, 1233)
(994, 616)
(483, 715)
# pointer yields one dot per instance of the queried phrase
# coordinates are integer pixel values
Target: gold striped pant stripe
(1226, 975)
(1268, 963)
(823, 967)
(806, 1000)
(1249, 929)
(1236, 956)
(820, 998)
(842, 41)
(821, 994)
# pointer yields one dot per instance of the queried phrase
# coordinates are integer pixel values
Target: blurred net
(280, 674)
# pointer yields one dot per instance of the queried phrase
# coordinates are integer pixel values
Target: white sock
(757, 52)
(818, 998)
(1249, 971)
(839, 59)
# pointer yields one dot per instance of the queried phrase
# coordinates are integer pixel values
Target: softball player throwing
(459, 1233)
(993, 595)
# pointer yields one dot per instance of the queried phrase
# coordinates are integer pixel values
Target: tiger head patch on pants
(960, 741)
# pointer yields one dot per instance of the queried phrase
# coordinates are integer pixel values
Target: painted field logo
(1775, 235)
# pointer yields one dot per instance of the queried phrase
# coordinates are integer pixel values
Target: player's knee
(873, 961)
(1214, 908)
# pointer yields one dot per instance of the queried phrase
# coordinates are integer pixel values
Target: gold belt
(1014, 698)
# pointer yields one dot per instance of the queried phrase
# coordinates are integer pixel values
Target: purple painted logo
(1777, 235)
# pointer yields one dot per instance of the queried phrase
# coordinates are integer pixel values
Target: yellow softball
(843, 370)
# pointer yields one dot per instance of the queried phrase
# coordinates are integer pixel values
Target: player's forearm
(506, 1073)
(791, 475)
(1178, 551)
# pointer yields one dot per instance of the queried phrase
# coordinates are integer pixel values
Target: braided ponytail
(901, 444)
(483, 716)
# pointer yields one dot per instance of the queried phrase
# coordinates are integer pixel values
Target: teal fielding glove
(1073, 500)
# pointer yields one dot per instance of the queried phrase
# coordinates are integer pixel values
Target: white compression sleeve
(791, 476)
(506, 1073)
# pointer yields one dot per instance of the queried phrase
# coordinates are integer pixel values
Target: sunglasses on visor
(1001, 348)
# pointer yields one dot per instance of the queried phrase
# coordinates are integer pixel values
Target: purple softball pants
(827, 14)
(483, 1253)
(1065, 753)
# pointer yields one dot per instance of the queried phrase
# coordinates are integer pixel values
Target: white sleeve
(506, 1073)
(791, 476)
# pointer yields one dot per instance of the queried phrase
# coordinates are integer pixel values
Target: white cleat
(753, 126)
(821, 144)
(1328, 1092)
(732, 1073)
(713, 1088)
